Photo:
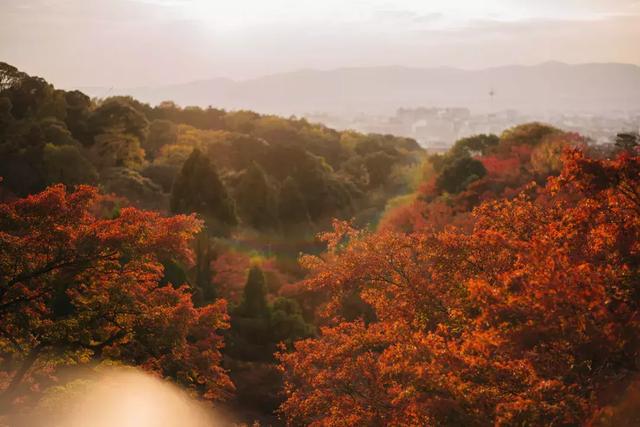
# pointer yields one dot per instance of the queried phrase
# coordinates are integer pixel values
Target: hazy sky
(145, 42)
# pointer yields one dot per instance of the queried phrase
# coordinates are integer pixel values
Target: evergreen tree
(292, 208)
(255, 198)
(254, 301)
(205, 290)
(257, 326)
(198, 188)
(248, 338)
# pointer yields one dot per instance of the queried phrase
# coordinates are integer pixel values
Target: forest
(297, 275)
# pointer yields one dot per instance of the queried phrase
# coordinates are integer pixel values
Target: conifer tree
(292, 208)
(254, 301)
(198, 188)
(255, 198)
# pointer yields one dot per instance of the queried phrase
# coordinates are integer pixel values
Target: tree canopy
(198, 188)
(79, 287)
(529, 317)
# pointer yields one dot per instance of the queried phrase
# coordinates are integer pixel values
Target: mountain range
(547, 87)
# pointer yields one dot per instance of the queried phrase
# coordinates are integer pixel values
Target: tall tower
(492, 93)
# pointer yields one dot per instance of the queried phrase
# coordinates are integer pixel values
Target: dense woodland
(494, 284)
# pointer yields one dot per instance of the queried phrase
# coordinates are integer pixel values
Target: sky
(127, 43)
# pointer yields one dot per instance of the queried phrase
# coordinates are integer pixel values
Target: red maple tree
(78, 287)
(531, 318)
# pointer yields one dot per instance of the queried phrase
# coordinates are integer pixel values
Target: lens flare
(123, 398)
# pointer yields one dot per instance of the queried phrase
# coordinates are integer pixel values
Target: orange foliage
(528, 319)
(230, 271)
(77, 287)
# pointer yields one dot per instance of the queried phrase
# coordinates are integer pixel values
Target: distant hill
(550, 86)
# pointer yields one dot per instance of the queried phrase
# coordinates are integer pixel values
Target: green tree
(198, 188)
(161, 133)
(527, 134)
(249, 338)
(34, 98)
(254, 298)
(205, 290)
(257, 327)
(324, 194)
(379, 165)
(78, 112)
(292, 208)
(65, 164)
(9, 76)
(138, 189)
(116, 150)
(255, 198)
(481, 144)
(117, 132)
(162, 174)
(356, 171)
(117, 115)
(287, 324)
(458, 173)
(55, 132)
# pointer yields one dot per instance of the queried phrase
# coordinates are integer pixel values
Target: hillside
(137, 151)
(495, 283)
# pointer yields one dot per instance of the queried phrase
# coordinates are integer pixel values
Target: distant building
(438, 128)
